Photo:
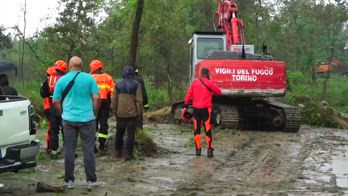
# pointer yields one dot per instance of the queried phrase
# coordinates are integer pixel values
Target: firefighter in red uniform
(106, 87)
(55, 121)
(47, 101)
(201, 92)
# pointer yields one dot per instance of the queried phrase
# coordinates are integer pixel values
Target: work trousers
(55, 123)
(202, 116)
(87, 135)
(102, 121)
(47, 114)
(122, 124)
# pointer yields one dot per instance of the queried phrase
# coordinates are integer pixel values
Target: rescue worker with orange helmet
(106, 87)
(55, 121)
(201, 93)
(47, 101)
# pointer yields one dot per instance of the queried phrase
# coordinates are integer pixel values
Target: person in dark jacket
(201, 92)
(143, 91)
(5, 86)
(127, 106)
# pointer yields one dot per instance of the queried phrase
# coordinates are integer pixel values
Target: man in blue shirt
(78, 109)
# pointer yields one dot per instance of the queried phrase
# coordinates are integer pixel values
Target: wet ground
(313, 161)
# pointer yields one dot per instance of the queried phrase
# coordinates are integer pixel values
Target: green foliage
(310, 94)
(297, 32)
(31, 90)
(157, 97)
(5, 40)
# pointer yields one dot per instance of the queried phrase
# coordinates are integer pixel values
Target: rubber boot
(198, 152)
(210, 152)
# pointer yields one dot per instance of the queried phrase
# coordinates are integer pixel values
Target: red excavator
(247, 80)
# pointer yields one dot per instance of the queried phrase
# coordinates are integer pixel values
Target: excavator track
(229, 117)
(292, 116)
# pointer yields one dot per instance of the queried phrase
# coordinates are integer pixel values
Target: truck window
(204, 45)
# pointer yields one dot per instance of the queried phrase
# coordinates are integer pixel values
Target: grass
(145, 144)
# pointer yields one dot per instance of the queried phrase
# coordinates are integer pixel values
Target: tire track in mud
(263, 163)
(321, 174)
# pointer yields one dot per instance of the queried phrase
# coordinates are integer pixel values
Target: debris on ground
(42, 187)
(321, 114)
(145, 144)
(161, 115)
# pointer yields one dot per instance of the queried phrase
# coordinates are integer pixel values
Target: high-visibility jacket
(47, 103)
(52, 81)
(106, 85)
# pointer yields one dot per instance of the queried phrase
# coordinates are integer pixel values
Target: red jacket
(201, 96)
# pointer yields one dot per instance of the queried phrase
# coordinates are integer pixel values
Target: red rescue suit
(201, 92)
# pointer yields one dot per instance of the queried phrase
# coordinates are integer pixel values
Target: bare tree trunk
(135, 32)
(23, 40)
(30, 47)
(169, 87)
(329, 71)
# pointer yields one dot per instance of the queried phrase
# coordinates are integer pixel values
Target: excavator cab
(200, 45)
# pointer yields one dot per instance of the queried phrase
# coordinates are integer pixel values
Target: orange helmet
(60, 65)
(95, 65)
(51, 71)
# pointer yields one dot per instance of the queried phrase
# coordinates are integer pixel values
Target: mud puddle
(311, 162)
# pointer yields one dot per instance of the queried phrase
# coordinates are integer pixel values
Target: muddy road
(313, 161)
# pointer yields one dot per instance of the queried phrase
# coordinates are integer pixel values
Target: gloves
(185, 108)
(146, 107)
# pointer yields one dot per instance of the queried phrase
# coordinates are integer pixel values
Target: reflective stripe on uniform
(104, 86)
(100, 135)
(47, 103)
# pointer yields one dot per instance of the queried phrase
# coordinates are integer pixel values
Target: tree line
(299, 32)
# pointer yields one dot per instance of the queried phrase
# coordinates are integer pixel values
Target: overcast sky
(11, 14)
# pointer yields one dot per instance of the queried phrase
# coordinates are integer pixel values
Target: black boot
(102, 148)
(210, 152)
(198, 152)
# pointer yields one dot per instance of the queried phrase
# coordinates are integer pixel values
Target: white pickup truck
(18, 145)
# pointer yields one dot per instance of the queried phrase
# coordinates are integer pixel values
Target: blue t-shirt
(78, 103)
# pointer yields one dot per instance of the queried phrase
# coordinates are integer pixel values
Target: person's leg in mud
(70, 140)
(208, 133)
(47, 114)
(120, 129)
(131, 129)
(140, 121)
(87, 135)
(103, 116)
(97, 123)
(197, 130)
(54, 132)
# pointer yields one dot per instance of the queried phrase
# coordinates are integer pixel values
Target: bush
(31, 90)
